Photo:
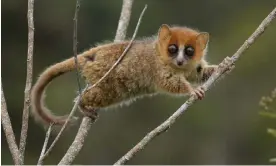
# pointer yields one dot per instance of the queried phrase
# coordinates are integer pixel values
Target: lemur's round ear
(202, 39)
(164, 32)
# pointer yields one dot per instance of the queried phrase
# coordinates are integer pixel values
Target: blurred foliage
(272, 132)
(224, 128)
(267, 103)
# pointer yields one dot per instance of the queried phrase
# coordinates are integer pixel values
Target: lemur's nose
(179, 63)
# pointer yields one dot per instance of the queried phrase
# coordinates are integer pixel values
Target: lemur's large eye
(189, 50)
(173, 49)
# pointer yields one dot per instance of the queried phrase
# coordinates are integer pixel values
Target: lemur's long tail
(39, 110)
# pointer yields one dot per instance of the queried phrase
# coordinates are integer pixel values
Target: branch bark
(6, 123)
(124, 20)
(76, 146)
(221, 71)
(29, 77)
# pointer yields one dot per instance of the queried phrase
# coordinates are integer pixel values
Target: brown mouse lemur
(171, 62)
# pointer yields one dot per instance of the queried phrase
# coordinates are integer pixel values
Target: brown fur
(146, 69)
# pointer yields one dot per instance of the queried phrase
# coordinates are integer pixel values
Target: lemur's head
(181, 47)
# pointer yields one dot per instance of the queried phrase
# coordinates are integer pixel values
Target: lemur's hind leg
(89, 111)
(91, 101)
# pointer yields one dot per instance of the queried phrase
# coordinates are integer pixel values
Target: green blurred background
(224, 128)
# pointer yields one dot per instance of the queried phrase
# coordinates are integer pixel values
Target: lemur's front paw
(199, 93)
(228, 64)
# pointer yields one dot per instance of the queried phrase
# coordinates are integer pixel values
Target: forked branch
(221, 71)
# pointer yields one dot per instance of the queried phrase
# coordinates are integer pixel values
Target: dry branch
(77, 144)
(86, 122)
(75, 43)
(47, 136)
(221, 71)
(29, 78)
(75, 51)
(124, 20)
(6, 123)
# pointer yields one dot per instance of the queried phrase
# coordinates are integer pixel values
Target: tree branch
(47, 136)
(6, 123)
(77, 144)
(86, 122)
(75, 43)
(29, 77)
(124, 20)
(221, 70)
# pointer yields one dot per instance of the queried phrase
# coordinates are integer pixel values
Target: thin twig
(124, 53)
(124, 20)
(86, 122)
(29, 78)
(74, 109)
(77, 143)
(6, 123)
(47, 136)
(221, 70)
(75, 43)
